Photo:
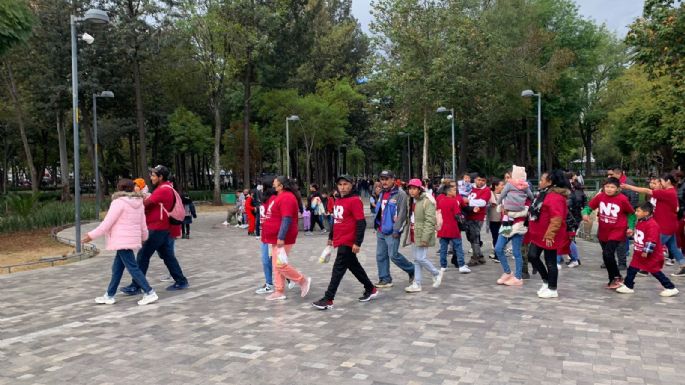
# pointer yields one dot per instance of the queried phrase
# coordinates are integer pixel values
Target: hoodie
(124, 225)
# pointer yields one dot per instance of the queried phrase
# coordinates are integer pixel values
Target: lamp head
(96, 16)
(293, 118)
(441, 109)
(527, 94)
(106, 94)
(87, 38)
(449, 117)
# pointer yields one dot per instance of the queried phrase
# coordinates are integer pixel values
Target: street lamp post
(530, 94)
(103, 94)
(95, 16)
(454, 152)
(287, 139)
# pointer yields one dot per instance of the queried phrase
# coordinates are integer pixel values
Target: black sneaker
(131, 290)
(525, 275)
(323, 304)
(680, 273)
(411, 278)
(368, 296)
(383, 284)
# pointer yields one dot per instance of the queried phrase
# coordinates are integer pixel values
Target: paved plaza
(469, 331)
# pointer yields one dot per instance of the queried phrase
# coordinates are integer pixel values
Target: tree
(15, 23)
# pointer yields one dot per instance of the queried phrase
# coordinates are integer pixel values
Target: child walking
(615, 216)
(421, 226)
(125, 230)
(189, 208)
(648, 253)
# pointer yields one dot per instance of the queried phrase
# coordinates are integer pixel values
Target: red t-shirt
(480, 193)
(647, 231)
(263, 212)
(346, 212)
(449, 207)
(283, 205)
(612, 217)
(553, 206)
(666, 210)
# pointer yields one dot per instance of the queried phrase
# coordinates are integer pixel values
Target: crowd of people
(535, 229)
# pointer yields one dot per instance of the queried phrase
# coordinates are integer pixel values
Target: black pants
(494, 231)
(663, 279)
(185, 228)
(317, 219)
(609, 255)
(346, 260)
(257, 224)
(622, 253)
(550, 273)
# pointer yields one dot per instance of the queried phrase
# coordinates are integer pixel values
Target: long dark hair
(558, 179)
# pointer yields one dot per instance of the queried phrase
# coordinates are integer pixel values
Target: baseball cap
(386, 174)
(162, 171)
(344, 177)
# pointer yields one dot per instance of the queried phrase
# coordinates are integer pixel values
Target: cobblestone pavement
(469, 331)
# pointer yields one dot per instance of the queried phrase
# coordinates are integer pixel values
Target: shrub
(49, 214)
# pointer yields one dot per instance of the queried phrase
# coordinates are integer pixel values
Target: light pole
(103, 94)
(454, 152)
(408, 151)
(287, 139)
(95, 16)
(530, 94)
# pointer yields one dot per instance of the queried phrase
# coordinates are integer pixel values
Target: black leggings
(609, 249)
(185, 228)
(550, 273)
(494, 231)
(317, 219)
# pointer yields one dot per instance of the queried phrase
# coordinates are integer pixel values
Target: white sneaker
(105, 299)
(166, 278)
(543, 288)
(623, 289)
(669, 262)
(437, 280)
(443, 269)
(558, 267)
(148, 298)
(291, 285)
(669, 292)
(573, 264)
(548, 293)
(413, 288)
(266, 289)
(225, 223)
(464, 269)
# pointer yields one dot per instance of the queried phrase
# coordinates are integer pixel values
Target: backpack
(178, 212)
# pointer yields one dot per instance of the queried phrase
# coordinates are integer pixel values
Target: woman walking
(421, 224)
(125, 230)
(547, 229)
(494, 214)
(280, 231)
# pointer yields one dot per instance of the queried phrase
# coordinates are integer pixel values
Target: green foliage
(22, 204)
(50, 214)
(190, 135)
(15, 23)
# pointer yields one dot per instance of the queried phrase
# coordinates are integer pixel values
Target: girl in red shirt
(665, 203)
(547, 229)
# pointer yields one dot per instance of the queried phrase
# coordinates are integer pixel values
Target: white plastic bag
(326, 254)
(282, 257)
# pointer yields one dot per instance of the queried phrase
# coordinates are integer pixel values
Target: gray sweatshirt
(514, 199)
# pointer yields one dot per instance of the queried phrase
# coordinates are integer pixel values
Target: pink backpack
(177, 213)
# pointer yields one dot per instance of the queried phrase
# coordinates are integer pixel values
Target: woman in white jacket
(125, 230)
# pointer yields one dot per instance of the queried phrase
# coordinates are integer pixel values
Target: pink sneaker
(305, 286)
(513, 281)
(275, 296)
(504, 278)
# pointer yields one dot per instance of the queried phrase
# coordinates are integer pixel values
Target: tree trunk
(35, 181)
(90, 145)
(463, 148)
(63, 157)
(217, 146)
(587, 142)
(424, 167)
(140, 120)
(246, 119)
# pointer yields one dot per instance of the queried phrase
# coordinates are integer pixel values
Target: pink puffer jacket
(124, 225)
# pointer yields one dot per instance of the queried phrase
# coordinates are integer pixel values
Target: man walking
(477, 200)
(623, 248)
(157, 206)
(389, 220)
(347, 234)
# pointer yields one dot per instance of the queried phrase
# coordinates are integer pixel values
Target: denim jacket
(393, 215)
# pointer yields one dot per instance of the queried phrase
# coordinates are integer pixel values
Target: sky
(617, 14)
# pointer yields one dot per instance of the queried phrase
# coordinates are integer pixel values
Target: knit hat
(519, 173)
(415, 183)
(140, 182)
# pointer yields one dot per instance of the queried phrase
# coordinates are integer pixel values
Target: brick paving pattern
(469, 331)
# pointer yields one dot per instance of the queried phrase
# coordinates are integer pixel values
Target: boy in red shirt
(648, 254)
(347, 234)
(615, 216)
(477, 201)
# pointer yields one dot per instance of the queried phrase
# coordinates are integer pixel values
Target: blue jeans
(421, 261)
(516, 241)
(266, 264)
(456, 245)
(387, 249)
(126, 259)
(670, 243)
(574, 254)
(159, 241)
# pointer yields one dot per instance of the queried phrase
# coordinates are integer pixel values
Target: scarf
(536, 206)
